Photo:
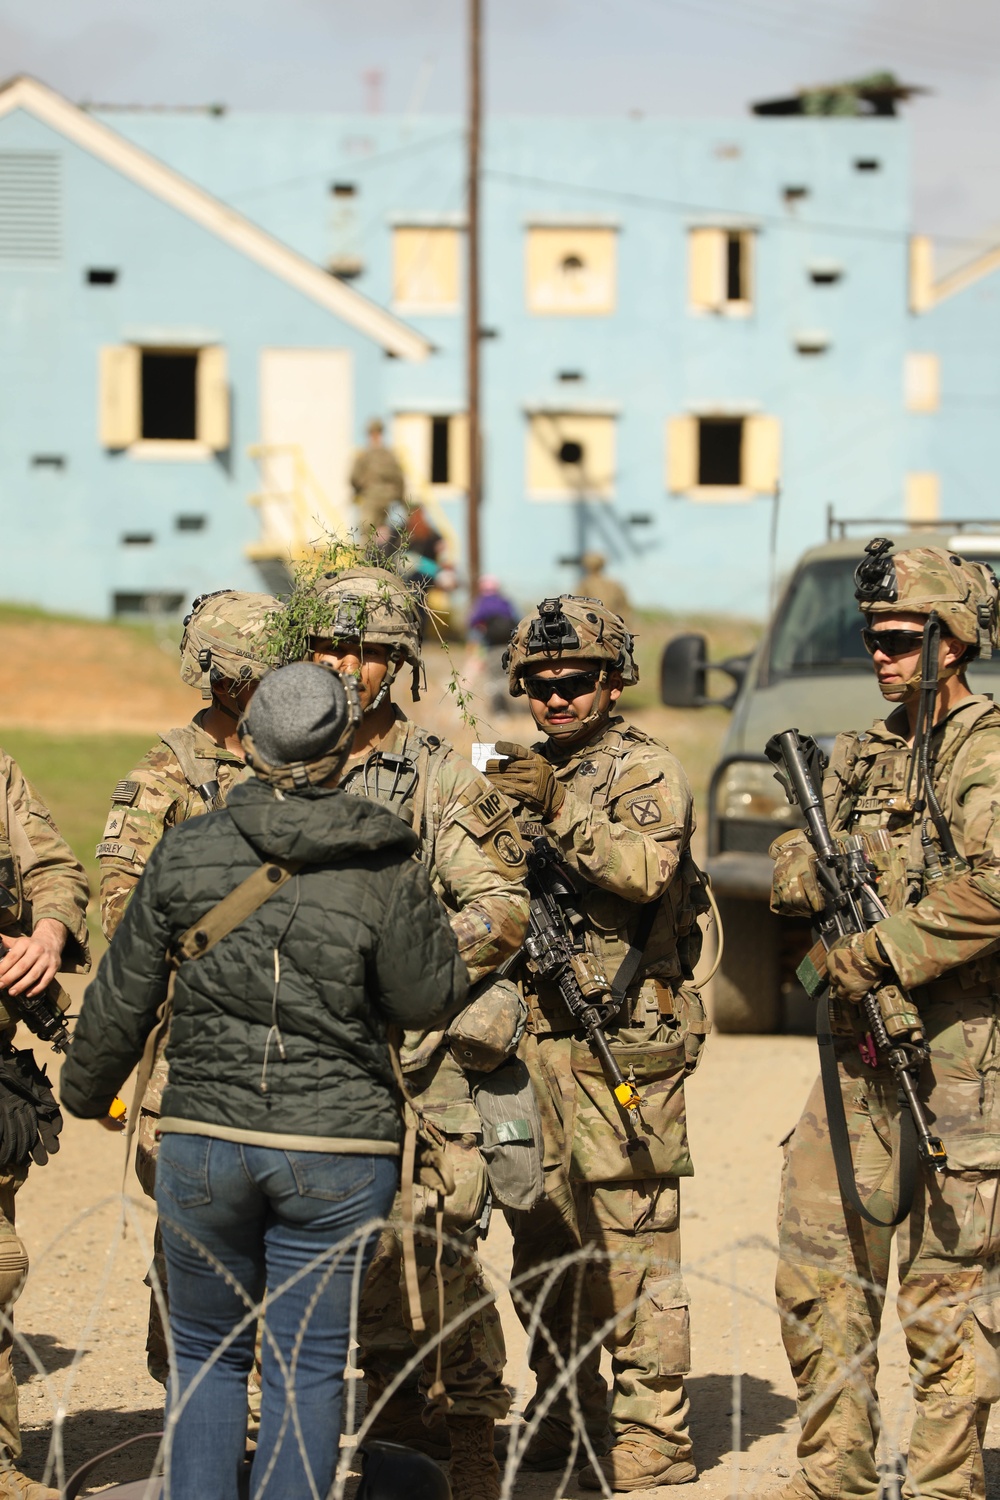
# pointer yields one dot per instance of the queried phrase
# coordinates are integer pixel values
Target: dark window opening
(141, 606)
(812, 344)
(98, 277)
(440, 467)
(735, 268)
(720, 451)
(190, 523)
(795, 194)
(867, 164)
(48, 461)
(571, 263)
(137, 539)
(826, 276)
(570, 375)
(168, 395)
(570, 452)
(344, 189)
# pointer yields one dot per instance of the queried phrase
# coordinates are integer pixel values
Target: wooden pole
(472, 293)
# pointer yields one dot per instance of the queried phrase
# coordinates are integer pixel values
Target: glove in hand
(853, 966)
(527, 778)
(30, 1118)
(795, 887)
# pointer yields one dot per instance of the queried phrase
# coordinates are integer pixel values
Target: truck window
(819, 627)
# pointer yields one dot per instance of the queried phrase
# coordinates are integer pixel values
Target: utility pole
(472, 291)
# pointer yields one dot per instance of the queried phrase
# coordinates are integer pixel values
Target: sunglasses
(573, 685)
(892, 642)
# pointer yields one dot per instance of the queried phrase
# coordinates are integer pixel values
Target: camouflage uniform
(941, 940)
(624, 828)
(182, 776)
(378, 485)
(45, 878)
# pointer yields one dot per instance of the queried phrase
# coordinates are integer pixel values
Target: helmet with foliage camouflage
(299, 729)
(224, 639)
(570, 625)
(963, 594)
(373, 606)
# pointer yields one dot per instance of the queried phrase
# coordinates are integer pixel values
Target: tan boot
(633, 1466)
(17, 1486)
(401, 1421)
(475, 1473)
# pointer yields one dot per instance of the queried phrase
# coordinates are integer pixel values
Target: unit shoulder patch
(646, 811)
(508, 849)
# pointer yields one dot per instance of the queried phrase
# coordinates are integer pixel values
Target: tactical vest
(201, 772)
(405, 781)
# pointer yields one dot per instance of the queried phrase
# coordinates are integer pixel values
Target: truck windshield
(818, 628)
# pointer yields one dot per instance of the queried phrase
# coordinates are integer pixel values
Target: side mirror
(684, 668)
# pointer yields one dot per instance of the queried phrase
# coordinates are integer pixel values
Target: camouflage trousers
(473, 1355)
(831, 1287)
(13, 1274)
(630, 1289)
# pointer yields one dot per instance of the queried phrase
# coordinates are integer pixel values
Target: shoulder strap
(233, 909)
(629, 966)
(200, 771)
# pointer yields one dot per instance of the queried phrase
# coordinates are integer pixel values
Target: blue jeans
(237, 1219)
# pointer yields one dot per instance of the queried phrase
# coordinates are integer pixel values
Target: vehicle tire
(746, 993)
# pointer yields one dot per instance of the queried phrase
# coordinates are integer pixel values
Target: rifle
(895, 1035)
(555, 947)
(42, 1014)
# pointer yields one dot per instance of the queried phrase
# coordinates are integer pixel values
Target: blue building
(697, 335)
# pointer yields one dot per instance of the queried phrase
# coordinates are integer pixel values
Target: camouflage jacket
(172, 782)
(376, 476)
(937, 925)
(473, 855)
(38, 870)
(625, 829)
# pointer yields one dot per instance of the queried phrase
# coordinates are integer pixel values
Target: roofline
(225, 223)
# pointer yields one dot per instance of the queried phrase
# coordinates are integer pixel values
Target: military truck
(811, 672)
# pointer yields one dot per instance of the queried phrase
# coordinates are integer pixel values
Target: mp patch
(491, 808)
(645, 811)
(125, 792)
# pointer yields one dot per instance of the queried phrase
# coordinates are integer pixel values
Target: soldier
(191, 770)
(616, 805)
(595, 584)
(940, 941)
(377, 482)
(367, 623)
(43, 930)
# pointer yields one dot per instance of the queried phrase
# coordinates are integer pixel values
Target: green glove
(527, 778)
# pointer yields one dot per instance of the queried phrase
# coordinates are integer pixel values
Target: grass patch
(75, 775)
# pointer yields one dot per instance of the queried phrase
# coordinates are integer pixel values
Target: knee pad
(13, 1268)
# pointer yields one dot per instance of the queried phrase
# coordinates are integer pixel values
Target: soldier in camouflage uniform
(377, 482)
(43, 930)
(368, 624)
(189, 771)
(617, 806)
(941, 940)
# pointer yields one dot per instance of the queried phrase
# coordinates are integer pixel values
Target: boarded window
(571, 272)
(720, 270)
(30, 207)
(163, 395)
(571, 455)
(922, 382)
(433, 450)
(425, 270)
(710, 455)
(922, 497)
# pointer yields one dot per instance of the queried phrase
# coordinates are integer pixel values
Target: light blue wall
(844, 432)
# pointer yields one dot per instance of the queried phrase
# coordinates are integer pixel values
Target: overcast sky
(674, 57)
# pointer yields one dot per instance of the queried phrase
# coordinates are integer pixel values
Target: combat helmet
(373, 606)
(223, 639)
(300, 726)
(963, 594)
(570, 625)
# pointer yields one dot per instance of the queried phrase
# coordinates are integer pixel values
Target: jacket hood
(315, 827)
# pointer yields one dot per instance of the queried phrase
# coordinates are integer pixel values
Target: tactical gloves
(30, 1118)
(855, 965)
(795, 889)
(527, 778)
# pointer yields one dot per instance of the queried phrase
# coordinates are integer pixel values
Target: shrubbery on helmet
(570, 625)
(224, 639)
(964, 594)
(373, 606)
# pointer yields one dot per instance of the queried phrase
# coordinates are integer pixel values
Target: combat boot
(401, 1421)
(17, 1486)
(551, 1445)
(632, 1466)
(475, 1473)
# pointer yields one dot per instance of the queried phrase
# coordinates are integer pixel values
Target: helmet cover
(224, 639)
(920, 580)
(570, 625)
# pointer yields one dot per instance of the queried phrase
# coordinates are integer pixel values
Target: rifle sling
(629, 966)
(840, 1140)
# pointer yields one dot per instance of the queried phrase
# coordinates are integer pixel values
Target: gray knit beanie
(298, 713)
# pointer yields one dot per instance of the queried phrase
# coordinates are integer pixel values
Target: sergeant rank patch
(645, 811)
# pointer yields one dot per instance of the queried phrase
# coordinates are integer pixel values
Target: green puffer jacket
(362, 942)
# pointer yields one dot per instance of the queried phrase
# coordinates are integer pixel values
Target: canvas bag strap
(202, 936)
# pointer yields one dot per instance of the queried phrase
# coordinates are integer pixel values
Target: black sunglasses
(892, 642)
(573, 685)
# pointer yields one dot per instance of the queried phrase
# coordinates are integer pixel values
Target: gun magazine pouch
(512, 1135)
(487, 1031)
(607, 1144)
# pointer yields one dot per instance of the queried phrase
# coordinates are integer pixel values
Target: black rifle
(42, 1013)
(852, 905)
(555, 946)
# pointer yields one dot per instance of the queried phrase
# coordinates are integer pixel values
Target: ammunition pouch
(487, 1031)
(512, 1135)
(607, 1144)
